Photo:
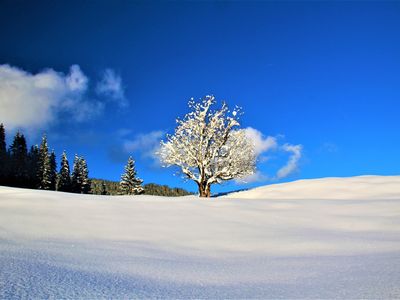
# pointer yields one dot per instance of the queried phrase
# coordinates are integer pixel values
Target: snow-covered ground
(294, 240)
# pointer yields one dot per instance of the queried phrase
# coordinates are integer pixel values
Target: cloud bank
(32, 101)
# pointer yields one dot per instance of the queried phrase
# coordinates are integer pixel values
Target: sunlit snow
(325, 238)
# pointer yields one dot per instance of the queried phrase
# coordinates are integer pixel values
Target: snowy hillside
(359, 187)
(283, 241)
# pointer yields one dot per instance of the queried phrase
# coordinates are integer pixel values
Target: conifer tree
(130, 184)
(44, 166)
(53, 171)
(3, 155)
(80, 176)
(85, 177)
(64, 181)
(2, 139)
(18, 161)
(33, 164)
(76, 181)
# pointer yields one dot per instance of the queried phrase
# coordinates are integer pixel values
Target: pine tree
(76, 181)
(3, 149)
(44, 166)
(53, 171)
(3, 155)
(64, 182)
(130, 184)
(33, 164)
(85, 177)
(80, 176)
(18, 161)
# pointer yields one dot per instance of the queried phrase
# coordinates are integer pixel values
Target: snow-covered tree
(44, 166)
(80, 181)
(64, 177)
(85, 177)
(130, 184)
(208, 146)
(76, 180)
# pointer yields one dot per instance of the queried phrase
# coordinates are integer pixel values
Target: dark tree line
(108, 187)
(164, 190)
(37, 168)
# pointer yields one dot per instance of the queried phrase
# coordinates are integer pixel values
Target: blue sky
(323, 75)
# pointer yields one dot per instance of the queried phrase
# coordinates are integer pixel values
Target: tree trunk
(204, 190)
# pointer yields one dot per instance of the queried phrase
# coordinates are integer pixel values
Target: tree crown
(208, 145)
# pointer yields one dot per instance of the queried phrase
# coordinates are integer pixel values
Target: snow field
(277, 243)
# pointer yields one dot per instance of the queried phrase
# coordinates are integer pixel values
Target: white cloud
(32, 101)
(261, 143)
(147, 144)
(265, 144)
(292, 164)
(111, 87)
(76, 80)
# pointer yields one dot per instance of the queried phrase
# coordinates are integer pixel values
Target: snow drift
(284, 241)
